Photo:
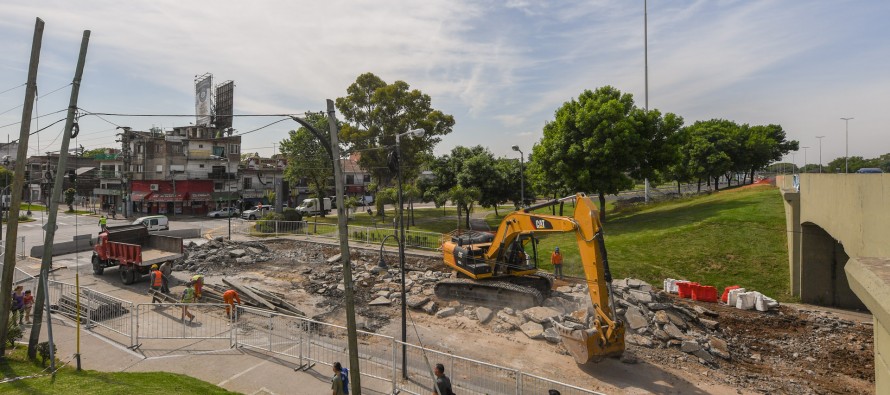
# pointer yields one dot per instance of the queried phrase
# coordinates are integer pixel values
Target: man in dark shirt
(443, 383)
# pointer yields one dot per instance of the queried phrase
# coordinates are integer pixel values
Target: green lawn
(734, 237)
(34, 207)
(69, 381)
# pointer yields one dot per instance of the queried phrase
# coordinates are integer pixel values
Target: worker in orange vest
(198, 281)
(155, 279)
(556, 260)
(230, 297)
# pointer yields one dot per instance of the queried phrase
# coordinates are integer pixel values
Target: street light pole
(416, 133)
(521, 176)
(820, 153)
(847, 144)
(805, 159)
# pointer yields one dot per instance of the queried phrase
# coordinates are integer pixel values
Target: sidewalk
(214, 361)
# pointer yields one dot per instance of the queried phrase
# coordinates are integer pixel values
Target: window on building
(177, 149)
(201, 166)
(200, 145)
(159, 169)
(157, 148)
(219, 151)
(248, 181)
(367, 178)
(217, 186)
(350, 179)
(235, 148)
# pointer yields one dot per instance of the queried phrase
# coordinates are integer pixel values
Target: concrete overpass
(838, 228)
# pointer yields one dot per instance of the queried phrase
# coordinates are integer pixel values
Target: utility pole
(646, 67)
(15, 200)
(352, 334)
(53, 209)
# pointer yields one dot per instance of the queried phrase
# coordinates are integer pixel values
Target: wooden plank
(277, 301)
(246, 291)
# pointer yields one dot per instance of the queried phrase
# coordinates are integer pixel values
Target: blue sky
(500, 67)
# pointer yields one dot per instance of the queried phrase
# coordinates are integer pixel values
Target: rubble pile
(217, 255)
(654, 319)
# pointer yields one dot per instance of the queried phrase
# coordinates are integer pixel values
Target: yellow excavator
(501, 269)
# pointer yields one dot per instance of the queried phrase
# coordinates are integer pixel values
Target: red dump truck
(133, 250)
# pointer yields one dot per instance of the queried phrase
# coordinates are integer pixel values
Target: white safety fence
(19, 247)
(360, 234)
(303, 340)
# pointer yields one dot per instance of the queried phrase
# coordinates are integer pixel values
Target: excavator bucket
(586, 345)
(579, 342)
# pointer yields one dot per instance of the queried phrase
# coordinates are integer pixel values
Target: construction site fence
(360, 234)
(19, 247)
(302, 340)
(313, 342)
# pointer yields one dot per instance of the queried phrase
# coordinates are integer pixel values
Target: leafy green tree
(709, 145)
(765, 144)
(307, 157)
(464, 198)
(855, 163)
(592, 144)
(657, 142)
(508, 184)
(69, 198)
(375, 112)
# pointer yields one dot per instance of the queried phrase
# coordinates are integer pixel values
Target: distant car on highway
(224, 212)
(867, 170)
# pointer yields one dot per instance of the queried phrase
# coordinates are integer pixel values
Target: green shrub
(292, 215)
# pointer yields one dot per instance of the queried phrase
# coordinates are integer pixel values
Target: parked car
(256, 212)
(224, 212)
(866, 170)
(153, 222)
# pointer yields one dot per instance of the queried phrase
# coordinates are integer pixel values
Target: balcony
(109, 174)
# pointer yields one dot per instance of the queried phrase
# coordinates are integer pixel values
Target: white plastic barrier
(746, 300)
(765, 303)
(670, 285)
(734, 295)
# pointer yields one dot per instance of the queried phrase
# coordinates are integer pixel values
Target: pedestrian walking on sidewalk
(443, 383)
(18, 304)
(230, 297)
(188, 296)
(556, 260)
(166, 272)
(28, 299)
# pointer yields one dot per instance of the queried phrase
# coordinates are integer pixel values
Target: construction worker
(166, 272)
(155, 279)
(103, 223)
(188, 296)
(556, 260)
(230, 297)
(198, 281)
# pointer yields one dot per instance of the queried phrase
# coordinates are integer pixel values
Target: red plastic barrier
(704, 293)
(726, 290)
(684, 289)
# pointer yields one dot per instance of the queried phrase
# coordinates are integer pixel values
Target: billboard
(225, 105)
(203, 86)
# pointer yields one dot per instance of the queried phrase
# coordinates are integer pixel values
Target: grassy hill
(734, 237)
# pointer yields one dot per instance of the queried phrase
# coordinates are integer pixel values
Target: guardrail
(20, 247)
(361, 234)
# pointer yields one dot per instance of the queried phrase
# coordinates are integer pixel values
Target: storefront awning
(138, 196)
(199, 196)
(167, 197)
(216, 196)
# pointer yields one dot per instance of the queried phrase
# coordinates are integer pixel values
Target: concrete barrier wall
(166, 243)
(183, 233)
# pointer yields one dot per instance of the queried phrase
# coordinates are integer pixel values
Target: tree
(470, 169)
(592, 144)
(464, 199)
(709, 145)
(657, 139)
(69, 198)
(766, 144)
(307, 157)
(374, 112)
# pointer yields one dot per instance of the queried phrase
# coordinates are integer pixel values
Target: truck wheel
(97, 266)
(128, 276)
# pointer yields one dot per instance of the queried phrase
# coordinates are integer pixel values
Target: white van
(154, 222)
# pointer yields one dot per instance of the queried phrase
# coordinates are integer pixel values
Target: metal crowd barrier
(164, 321)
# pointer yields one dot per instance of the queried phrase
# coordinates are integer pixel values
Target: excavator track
(489, 293)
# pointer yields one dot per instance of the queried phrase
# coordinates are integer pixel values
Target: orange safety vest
(156, 278)
(556, 258)
(231, 296)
